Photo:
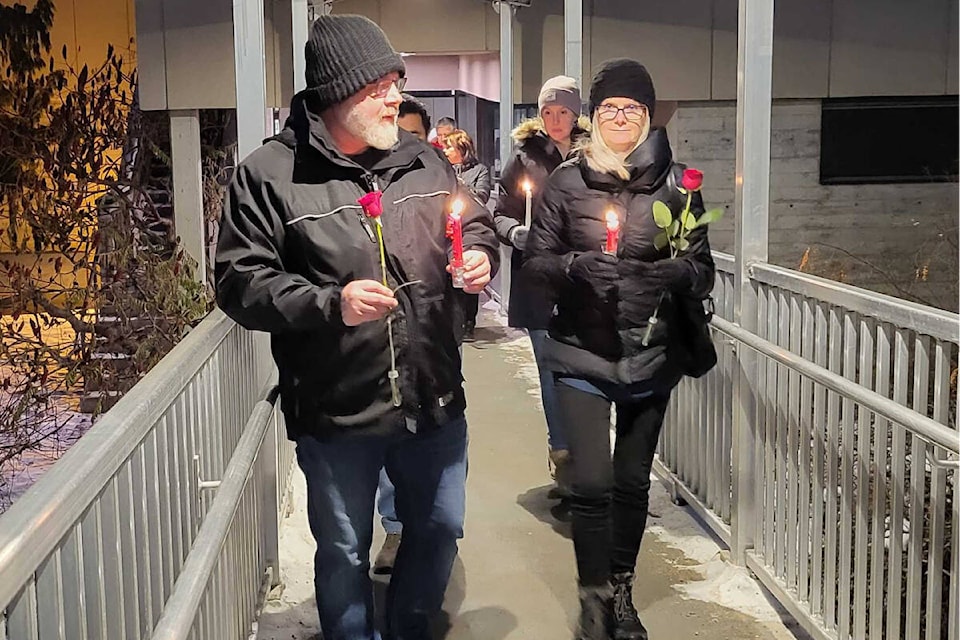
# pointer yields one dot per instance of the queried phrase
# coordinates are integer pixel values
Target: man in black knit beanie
(333, 240)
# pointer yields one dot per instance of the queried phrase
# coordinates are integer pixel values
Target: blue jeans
(386, 506)
(548, 395)
(429, 473)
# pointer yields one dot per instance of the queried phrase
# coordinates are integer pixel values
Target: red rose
(371, 204)
(692, 179)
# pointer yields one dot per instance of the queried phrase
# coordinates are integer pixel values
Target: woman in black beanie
(601, 347)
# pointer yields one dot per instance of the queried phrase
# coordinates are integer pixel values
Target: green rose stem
(393, 375)
(653, 319)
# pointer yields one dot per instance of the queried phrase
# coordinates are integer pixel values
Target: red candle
(456, 238)
(613, 232)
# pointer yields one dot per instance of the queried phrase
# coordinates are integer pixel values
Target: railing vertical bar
(833, 474)
(50, 595)
(782, 425)
(727, 415)
(953, 624)
(770, 439)
(901, 377)
(847, 454)
(94, 565)
(819, 452)
(938, 503)
(918, 490)
(166, 501)
(862, 546)
(73, 583)
(151, 492)
(179, 499)
(141, 489)
(880, 443)
(793, 523)
(131, 568)
(112, 550)
(23, 614)
(808, 324)
(709, 449)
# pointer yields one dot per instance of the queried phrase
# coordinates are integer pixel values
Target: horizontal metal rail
(936, 323)
(179, 614)
(921, 425)
(29, 535)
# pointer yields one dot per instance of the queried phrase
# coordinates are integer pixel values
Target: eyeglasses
(632, 112)
(382, 88)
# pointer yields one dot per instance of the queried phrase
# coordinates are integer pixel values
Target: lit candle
(456, 237)
(528, 190)
(613, 232)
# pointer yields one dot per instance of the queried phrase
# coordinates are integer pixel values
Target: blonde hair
(600, 157)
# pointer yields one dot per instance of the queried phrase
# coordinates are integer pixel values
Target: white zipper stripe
(317, 216)
(422, 195)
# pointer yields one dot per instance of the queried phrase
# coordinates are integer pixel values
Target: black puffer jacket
(534, 159)
(475, 177)
(293, 235)
(598, 338)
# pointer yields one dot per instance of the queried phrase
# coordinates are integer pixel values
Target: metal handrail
(36, 523)
(179, 613)
(926, 428)
(935, 323)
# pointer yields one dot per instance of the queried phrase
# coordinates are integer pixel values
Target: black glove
(669, 274)
(597, 270)
(518, 237)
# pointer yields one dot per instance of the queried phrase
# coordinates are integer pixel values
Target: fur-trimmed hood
(533, 126)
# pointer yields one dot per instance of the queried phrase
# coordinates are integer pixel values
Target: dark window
(885, 140)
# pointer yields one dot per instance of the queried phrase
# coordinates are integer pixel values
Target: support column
(506, 126)
(248, 50)
(752, 207)
(299, 28)
(188, 186)
(573, 40)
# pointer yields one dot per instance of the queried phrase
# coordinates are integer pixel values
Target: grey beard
(378, 135)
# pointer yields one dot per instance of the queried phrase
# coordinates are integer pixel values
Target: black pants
(471, 305)
(610, 498)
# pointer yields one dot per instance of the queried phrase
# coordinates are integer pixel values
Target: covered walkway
(515, 576)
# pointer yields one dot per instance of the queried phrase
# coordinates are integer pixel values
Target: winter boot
(595, 607)
(383, 565)
(626, 622)
(560, 469)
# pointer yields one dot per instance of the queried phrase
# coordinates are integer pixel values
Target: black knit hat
(344, 54)
(623, 78)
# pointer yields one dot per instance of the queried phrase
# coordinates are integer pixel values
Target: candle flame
(613, 220)
(526, 186)
(456, 208)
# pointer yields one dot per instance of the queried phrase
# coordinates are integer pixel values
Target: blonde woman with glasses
(601, 348)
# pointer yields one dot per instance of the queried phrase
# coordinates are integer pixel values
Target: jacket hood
(534, 126)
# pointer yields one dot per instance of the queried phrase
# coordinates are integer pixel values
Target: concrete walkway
(515, 577)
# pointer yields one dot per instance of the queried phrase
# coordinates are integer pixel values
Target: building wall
(874, 236)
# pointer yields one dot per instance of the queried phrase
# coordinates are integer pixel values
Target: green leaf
(690, 222)
(674, 228)
(660, 242)
(709, 216)
(662, 215)
(682, 244)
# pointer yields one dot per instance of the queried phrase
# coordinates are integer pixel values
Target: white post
(299, 28)
(188, 186)
(751, 205)
(248, 50)
(573, 40)
(506, 126)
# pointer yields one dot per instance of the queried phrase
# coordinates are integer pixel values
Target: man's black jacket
(293, 235)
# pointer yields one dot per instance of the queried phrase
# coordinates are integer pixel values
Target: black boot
(626, 622)
(595, 603)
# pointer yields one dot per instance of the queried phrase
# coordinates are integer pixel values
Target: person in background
(602, 347)
(475, 176)
(445, 126)
(369, 371)
(414, 117)
(542, 143)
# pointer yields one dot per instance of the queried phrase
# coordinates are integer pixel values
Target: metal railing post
(751, 204)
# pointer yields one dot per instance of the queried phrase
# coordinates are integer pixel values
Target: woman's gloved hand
(668, 274)
(518, 237)
(597, 270)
